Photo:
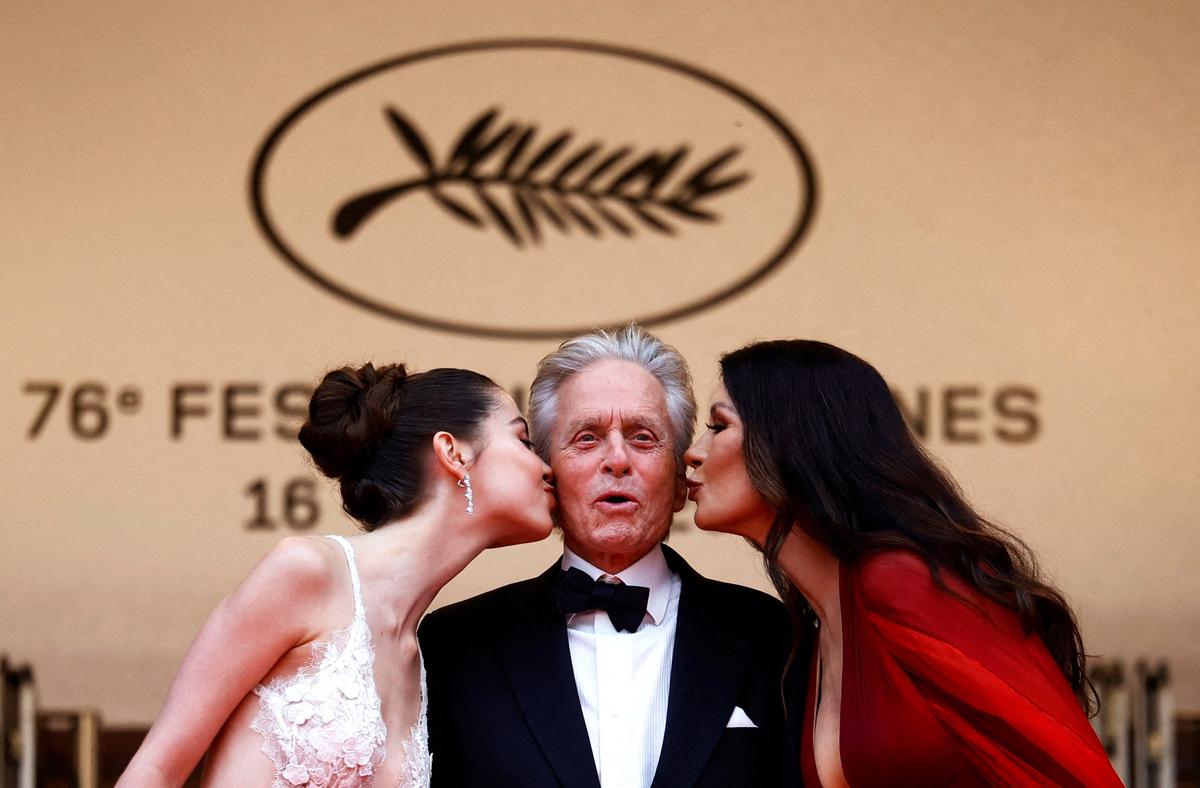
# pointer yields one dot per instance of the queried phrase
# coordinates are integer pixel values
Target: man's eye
(528, 443)
(586, 438)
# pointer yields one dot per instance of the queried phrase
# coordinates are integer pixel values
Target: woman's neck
(412, 559)
(814, 571)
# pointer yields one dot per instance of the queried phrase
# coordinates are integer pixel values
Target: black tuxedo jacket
(504, 710)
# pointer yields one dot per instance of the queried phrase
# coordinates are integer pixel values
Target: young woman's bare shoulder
(306, 554)
(297, 568)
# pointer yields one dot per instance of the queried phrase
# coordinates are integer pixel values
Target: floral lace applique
(418, 763)
(323, 726)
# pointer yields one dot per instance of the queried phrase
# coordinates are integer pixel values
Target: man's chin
(614, 538)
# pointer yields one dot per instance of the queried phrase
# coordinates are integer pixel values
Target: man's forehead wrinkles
(599, 416)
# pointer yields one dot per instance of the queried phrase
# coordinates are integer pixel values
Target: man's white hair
(632, 344)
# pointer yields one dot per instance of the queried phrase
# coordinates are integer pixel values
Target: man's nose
(616, 456)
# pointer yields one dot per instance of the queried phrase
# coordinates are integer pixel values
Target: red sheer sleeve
(928, 675)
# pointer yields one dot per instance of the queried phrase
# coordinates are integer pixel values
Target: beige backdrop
(1009, 196)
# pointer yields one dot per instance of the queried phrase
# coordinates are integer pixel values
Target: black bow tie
(626, 605)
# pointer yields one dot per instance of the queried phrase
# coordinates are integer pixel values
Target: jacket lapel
(538, 661)
(707, 668)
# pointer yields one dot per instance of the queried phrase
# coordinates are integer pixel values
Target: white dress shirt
(624, 678)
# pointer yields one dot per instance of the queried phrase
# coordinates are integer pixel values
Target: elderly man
(620, 665)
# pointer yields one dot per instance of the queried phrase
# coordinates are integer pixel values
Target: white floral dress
(323, 727)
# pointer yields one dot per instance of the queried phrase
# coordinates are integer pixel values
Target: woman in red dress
(938, 654)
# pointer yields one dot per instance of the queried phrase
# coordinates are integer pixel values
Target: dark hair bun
(370, 502)
(371, 430)
(351, 412)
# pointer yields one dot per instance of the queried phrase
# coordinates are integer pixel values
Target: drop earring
(465, 483)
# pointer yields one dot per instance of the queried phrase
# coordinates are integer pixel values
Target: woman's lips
(693, 488)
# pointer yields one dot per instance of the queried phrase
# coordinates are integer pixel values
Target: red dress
(936, 691)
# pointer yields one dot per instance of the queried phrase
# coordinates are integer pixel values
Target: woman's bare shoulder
(309, 555)
(296, 568)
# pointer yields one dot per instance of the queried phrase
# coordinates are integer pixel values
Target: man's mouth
(616, 503)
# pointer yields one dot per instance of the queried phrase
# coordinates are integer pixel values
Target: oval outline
(800, 227)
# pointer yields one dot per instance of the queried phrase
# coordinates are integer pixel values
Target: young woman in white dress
(309, 673)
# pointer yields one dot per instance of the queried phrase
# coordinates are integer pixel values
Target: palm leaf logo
(523, 186)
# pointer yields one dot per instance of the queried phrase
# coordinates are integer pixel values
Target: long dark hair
(827, 447)
(370, 429)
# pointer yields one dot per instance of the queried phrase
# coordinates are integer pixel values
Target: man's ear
(453, 455)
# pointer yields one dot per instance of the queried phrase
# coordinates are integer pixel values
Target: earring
(465, 483)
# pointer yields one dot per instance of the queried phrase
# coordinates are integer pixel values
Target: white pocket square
(739, 719)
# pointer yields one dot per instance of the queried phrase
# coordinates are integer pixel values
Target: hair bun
(367, 501)
(351, 411)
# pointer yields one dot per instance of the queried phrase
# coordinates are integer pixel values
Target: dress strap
(424, 691)
(359, 609)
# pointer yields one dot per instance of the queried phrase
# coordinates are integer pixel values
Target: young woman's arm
(272, 611)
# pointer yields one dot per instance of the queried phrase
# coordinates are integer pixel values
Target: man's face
(614, 464)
